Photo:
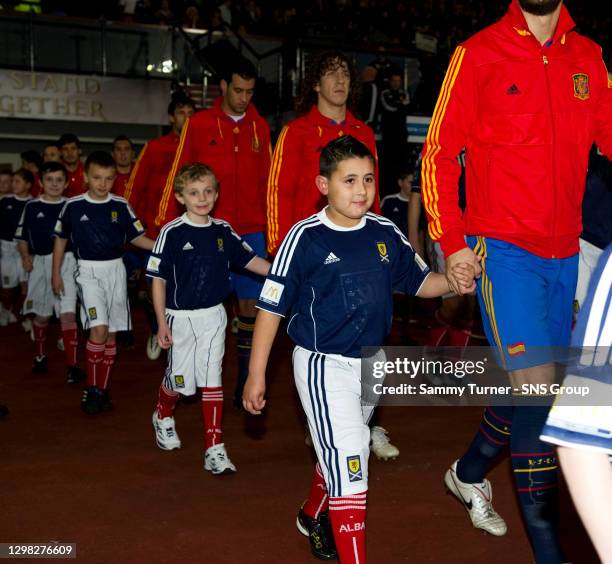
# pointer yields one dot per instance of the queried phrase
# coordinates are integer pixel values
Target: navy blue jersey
(395, 208)
(37, 224)
(597, 202)
(195, 261)
(98, 230)
(11, 208)
(337, 283)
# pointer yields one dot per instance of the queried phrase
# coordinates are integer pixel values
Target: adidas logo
(396, 209)
(331, 258)
(188, 246)
(513, 90)
(39, 215)
(84, 218)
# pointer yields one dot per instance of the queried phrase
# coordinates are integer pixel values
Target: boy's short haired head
(179, 100)
(191, 173)
(405, 171)
(31, 157)
(68, 138)
(241, 67)
(341, 149)
(122, 138)
(100, 158)
(51, 152)
(52, 166)
(26, 175)
(324, 62)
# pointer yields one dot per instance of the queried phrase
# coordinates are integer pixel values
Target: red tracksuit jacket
(148, 179)
(292, 193)
(76, 181)
(239, 154)
(527, 115)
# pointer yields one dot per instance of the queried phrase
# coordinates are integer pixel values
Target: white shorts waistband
(101, 263)
(194, 312)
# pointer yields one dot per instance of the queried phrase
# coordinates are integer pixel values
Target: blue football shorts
(526, 301)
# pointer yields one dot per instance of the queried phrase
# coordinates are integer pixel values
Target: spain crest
(581, 86)
(114, 216)
(220, 244)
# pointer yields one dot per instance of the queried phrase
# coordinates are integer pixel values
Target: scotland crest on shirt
(581, 86)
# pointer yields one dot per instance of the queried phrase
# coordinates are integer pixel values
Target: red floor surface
(101, 482)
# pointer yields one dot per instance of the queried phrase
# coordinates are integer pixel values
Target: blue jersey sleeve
(160, 261)
(63, 226)
(240, 252)
(132, 225)
(281, 288)
(408, 269)
(21, 233)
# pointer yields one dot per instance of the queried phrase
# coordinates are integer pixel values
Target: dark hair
(240, 66)
(52, 166)
(180, 99)
(68, 138)
(404, 171)
(122, 138)
(52, 144)
(100, 158)
(6, 171)
(32, 157)
(341, 149)
(323, 63)
(26, 175)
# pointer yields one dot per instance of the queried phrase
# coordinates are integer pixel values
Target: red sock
(212, 411)
(166, 402)
(347, 516)
(110, 352)
(40, 338)
(318, 498)
(94, 354)
(69, 335)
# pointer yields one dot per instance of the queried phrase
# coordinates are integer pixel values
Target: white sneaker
(476, 499)
(153, 348)
(27, 325)
(11, 317)
(165, 433)
(380, 445)
(60, 344)
(217, 462)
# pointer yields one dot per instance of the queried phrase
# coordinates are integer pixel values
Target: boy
(335, 273)
(191, 278)
(35, 245)
(98, 225)
(13, 275)
(395, 206)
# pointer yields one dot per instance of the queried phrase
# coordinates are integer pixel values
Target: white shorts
(11, 266)
(329, 387)
(102, 289)
(587, 263)
(198, 345)
(40, 299)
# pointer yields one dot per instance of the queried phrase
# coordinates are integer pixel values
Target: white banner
(71, 97)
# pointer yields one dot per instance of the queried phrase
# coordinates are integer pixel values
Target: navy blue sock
(492, 437)
(536, 478)
(244, 340)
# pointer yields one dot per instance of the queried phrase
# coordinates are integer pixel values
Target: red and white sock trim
(357, 501)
